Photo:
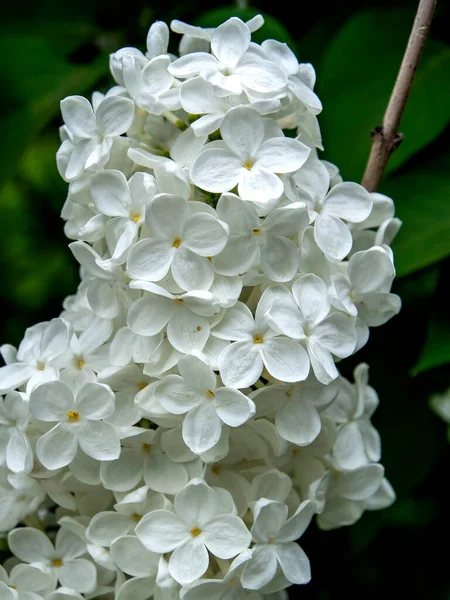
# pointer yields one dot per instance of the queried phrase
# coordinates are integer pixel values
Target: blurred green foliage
(49, 50)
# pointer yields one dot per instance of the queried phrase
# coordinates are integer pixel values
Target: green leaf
(436, 351)
(357, 75)
(422, 202)
(272, 28)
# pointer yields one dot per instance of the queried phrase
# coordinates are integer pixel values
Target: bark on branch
(386, 137)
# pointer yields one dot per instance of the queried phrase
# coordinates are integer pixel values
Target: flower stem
(385, 138)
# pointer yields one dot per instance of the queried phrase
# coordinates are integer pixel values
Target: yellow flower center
(73, 416)
(257, 339)
(136, 218)
(142, 386)
(248, 164)
(57, 562)
(210, 394)
(40, 365)
(176, 242)
(195, 531)
(137, 516)
(256, 231)
(146, 447)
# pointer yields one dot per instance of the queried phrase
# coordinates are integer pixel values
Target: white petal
(162, 531)
(197, 504)
(237, 324)
(103, 299)
(79, 574)
(279, 259)
(261, 568)
(55, 339)
(298, 523)
(216, 170)
(78, 116)
(337, 334)
(189, 562)
(14, 375)
(298, 422)
(163, 475)
(322, 362)
(243, 132)
(197, 374)
(348, 449)
(167, 215)
(294, 563)
(187, 331)
(115, 115)
(332, 236)
(95, 401)
(191, 271)
(19, 455)
(259, 185)
(131, 556)
(282, 155)
(238, 255)
(230, 42)
(106, 526)
(30, 544)
(205, 235)
(175, 396)
(192, 64)
(360, 483)
(99, 440)
(110, 193)
(261, 76)
(124, 473)
(155, 77)
(311, 296)
(202, 427)
(285, 359)
(51, 401)
(149, 315)
(371, 271)
(233, 407)
(349, 201)
(197, 97)
(57, 448)
(150, 259)
(240, 364)
(226, 536)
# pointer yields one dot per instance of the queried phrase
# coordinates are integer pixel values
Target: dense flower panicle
(183, 419)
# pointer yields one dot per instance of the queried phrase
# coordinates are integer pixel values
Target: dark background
(50, 49)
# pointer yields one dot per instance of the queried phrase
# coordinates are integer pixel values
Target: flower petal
(202, 427)
(285, 359)
(189, 562)
(99, 440)
(240, 364)
(57, 448)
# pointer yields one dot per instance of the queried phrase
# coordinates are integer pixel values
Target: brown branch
(385, 138)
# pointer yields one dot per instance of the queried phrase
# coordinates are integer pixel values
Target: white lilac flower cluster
(174, 431)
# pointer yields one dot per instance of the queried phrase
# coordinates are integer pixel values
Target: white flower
(25, 582)
(274, 536)
(142, 457)
(256, 345)
(37, 355)
(228, 588)
(305, 315)
(344, 202)
(228, 68)
(195, 394)
(186, 315)
(92, 133)
(250, 238)
(126, 202)
(182, 244)
(61, 561)
(366, 291)
(79, 422)
(15, 449)
(108, 525)
(248, 159)
(197, 525)
(357, 442)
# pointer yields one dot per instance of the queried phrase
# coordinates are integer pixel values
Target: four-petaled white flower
(248, 158)
(197, 526)
(195, 394)
(92, 130)
(79, 422)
